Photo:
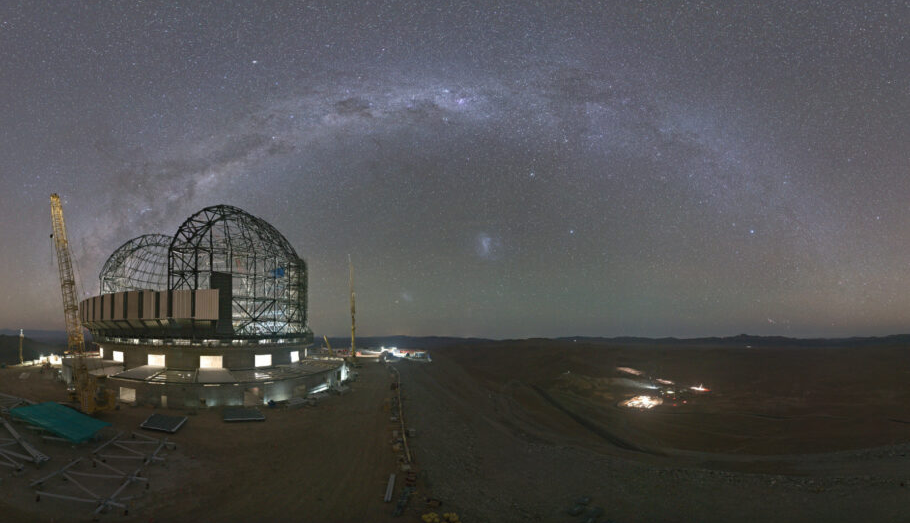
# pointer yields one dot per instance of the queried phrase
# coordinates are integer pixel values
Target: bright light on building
(156, 360)
(127, 394)
(211, 362)
(700, 388)
(263, 360)
(118, 356)
(642, 402)
(319, 388)
(295, 356)
(53, 359)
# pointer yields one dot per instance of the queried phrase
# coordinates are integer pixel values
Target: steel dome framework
(221, 247)
(138, 264)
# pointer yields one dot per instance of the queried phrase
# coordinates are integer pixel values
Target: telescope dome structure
(223, 247)
(225, 274)
(215, 314)
(138, 264)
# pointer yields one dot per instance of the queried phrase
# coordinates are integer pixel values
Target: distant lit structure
(215, 314)
(642, 402)
(416, 354)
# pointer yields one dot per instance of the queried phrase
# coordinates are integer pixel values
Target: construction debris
(389, 488)
(130, 446)
(10, 456)
(83, 486)
(8, 402)
(403, 501)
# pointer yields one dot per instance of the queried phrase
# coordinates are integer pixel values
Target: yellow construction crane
(353, 329)
(91, 397)
(329, 345)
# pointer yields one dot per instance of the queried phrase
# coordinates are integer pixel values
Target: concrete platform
(141, 373)
(215, 376)
(180, 388)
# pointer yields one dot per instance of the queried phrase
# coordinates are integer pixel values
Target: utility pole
(21, 337)
(353, 328)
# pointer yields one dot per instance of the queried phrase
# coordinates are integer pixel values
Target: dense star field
(502, 169)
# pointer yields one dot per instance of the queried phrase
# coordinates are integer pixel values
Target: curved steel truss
(139, 264)
(229, 249)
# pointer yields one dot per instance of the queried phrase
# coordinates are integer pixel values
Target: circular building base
(180, 388)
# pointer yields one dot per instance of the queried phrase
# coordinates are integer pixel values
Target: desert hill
(31, 349)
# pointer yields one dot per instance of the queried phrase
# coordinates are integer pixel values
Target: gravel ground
(489, 461)
(491, 450)
(326, 463)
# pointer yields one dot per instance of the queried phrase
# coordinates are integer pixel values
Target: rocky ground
(494, 455)
(492, 448)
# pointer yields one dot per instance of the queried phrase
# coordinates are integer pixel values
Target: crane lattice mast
(86, 391)
(75, 340)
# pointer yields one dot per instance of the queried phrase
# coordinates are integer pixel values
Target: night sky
(506, 169)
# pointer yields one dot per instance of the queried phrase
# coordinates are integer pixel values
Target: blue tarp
(60, 420)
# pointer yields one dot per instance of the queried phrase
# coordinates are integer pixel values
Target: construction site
(203, 397)
(196, 335)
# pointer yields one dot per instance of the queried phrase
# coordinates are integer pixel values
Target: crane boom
(329, 345)
(75, 340)
(91, 396)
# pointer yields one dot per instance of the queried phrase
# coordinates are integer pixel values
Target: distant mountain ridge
(741, 340)
(51, 337)
(44, 336)
(746, 340)
(31, 349)
(56, 339)
(404, 342)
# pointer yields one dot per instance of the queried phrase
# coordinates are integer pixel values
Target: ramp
(163, 423)
(242, 414)
(60, 420)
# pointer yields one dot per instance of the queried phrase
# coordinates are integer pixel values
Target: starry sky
(498, 169)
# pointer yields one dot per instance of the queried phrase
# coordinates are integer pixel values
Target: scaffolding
(90, 485)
